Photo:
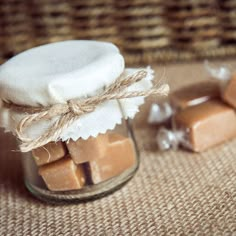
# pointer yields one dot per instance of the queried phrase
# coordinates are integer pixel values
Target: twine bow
(67, 113)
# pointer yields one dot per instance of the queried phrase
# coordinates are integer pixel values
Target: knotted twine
(67, 113)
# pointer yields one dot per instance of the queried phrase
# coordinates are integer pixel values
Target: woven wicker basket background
(146, 31)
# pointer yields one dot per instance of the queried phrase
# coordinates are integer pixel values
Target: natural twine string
(69, 112)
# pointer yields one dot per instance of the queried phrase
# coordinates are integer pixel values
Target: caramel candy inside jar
(50, 152)
(119, 156)
(86, 150)
(75, 164)
(63, 175)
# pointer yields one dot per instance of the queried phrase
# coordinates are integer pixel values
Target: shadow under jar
(83, 169)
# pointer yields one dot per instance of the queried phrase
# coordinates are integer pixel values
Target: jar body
(78, 176)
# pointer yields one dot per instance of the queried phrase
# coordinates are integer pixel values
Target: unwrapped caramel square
(229, 93)
(86, 150)
(48, 153)
(63, 175)
(194, 94)
(120, 156)
(206, 124)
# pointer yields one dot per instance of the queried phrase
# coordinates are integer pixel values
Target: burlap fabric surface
(173, 193)
(144, 30)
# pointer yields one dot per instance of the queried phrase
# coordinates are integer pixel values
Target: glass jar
(64, 180)
(78, 91)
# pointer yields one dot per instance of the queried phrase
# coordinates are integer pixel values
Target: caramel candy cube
(86, 150)
(206, 124)
(63, 175)
(120, 156)
(229, 93)
(48, 153)
(194, 94)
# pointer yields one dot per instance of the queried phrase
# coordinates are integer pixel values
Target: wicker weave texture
(145, 30)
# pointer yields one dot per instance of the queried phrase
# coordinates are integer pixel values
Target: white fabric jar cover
(57, 72)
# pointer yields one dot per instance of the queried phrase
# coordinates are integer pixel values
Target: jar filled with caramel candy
(70, 104)
(82, 169)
